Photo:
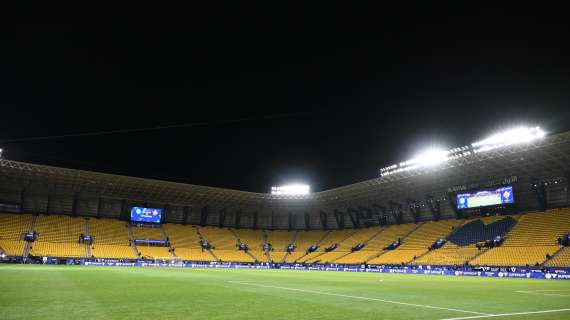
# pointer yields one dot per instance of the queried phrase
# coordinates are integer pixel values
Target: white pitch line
(359, 297)
(541, 292)
(549, 290)
(508, 314)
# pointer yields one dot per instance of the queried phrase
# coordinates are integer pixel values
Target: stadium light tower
(508, 137)
(291, 190)
(433, 157)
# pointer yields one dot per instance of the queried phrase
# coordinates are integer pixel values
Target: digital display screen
(151, 215)
(488, 197)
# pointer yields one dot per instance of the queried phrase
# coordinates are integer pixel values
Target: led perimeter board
(150, 215)
(487, 197)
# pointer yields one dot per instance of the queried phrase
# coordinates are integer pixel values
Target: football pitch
(66, 292)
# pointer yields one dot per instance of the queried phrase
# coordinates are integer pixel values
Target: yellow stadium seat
(12, 226)
(531, 239)
(154, 252)
(112, 251)
(562, 259)
(109, 231)
(12, 247)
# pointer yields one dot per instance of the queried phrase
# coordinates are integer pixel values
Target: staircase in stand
(482, 251)
(170, 248)
(421, 255)
(418, 225)
(315, 260)
(252, 256)
(28, 245)
(235, 234)
(377, 255)
(87, 245)
(204, 239)
(382, 251)
(555, 254)
(293, 242)
(318, 243)
(133, 245)
(365, 242)
(213, 255)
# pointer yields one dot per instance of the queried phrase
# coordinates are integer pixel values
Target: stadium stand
(59, 228)
(220, 239)
(332, 238)
(111, 239)
(537, 173)
(109, 231)
(515, 256)
(112, 251)
(376, 245)
(531, 239)
(233, 255)
(345, 245)
(279, 241)
(417, 242)
(253, 238)
(478, 230)
(561, 259)
(193, 254)
(58, 236)
(150, 233)
(186, 242)
(12, 226)
(259, 255)
(181, 236)
(449, 254)
(147, 233)
(58, 249)
(277, 256)
(304, 240)
(224, 244)
(154, 252)
(12, 248)
(534, 236)
(461, 246)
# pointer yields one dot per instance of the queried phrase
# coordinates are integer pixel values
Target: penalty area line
(508, 314)
(357, 297)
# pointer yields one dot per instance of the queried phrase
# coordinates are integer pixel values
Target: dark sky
(326, 95)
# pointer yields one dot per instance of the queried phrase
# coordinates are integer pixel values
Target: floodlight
(509, 137)
(430, 157)
(291, 190)
(0, 153)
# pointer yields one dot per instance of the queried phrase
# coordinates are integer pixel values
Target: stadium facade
(538, 171)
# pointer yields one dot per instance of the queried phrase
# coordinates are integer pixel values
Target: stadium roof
(543, 157)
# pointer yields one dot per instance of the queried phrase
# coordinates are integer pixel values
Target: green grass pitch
(74, 292)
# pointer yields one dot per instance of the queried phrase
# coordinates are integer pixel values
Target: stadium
(454, 220)
(284, 160)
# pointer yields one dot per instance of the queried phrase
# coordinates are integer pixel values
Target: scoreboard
(151, 215)
(487, 197)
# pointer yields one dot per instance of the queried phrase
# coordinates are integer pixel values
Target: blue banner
(558, 274)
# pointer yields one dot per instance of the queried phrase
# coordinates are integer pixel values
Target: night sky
(259, 96)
